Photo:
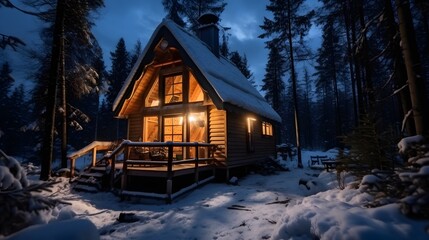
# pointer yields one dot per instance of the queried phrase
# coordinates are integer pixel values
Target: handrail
(100, 145)
(92, 147)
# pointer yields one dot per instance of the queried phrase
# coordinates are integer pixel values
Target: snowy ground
(259, 207)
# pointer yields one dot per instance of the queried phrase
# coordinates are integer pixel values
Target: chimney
(208, 31)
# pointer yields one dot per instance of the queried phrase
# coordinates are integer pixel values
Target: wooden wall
(217, 132)
(135, 127)
(238, 154)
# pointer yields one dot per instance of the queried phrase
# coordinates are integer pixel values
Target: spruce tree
(136, 53)
(328, 71)
(120, 69)
(65, 20)
(289, 23)
(191, 10)
(241, 63)
(174, 9)
(6, 82)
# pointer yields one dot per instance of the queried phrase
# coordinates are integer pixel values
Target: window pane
(197, 127)
(152, 99)
(195, 92)
(173, 89)
(150, 129)
(267, 129)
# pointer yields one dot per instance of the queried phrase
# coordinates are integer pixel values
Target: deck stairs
(92, 180)
(94, 177)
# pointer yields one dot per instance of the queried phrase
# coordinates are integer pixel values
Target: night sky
(136, 20)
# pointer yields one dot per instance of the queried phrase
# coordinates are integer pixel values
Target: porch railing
(94, 148)
(167, 160)
(158, 159)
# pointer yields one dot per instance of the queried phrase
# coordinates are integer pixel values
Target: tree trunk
(48, 138)
(64, 108)
(360, 100)
(400, 73)
(294, 90)
(338, 121)
(412, 64)
(366, 63)
(346, 12)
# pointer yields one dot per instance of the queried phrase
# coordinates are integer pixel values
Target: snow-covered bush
(12, 176)
(416, 200)
(20, 207)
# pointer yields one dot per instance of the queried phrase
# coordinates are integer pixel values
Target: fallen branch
(238, 207)
(279, 202)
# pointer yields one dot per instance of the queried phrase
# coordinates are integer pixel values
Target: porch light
(163, 45)
(192, 118)
(196, 119)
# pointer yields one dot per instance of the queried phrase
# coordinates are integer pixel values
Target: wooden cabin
(182, 90)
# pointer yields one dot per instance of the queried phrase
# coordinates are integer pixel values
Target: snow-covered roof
(229, 83)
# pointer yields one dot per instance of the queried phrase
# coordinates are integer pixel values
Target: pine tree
(273, 84)
(69, 21)
(195, 8)
(174, 9)
(56, 52)
(288, 23)
(191, 10)
(241, 63)
(136, 53)
(17, 118)
(6, 82)
(120, 69)
(327, 70)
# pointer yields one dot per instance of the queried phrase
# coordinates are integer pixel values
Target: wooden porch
(148, 169)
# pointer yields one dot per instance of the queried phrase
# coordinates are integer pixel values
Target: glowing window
(195, 92)
(173, 90)
(152, 99)
(150, 129)
(267, 129)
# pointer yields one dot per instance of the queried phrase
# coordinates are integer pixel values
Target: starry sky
(136, 20)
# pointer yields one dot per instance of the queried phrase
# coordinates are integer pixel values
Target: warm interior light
(192, 118)
(154, 103)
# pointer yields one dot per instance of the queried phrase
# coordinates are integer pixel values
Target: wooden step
(85, 188)
(98, 169)
(92, 174)
(88, 181)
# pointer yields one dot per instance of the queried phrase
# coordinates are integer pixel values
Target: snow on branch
(406, 143)
(406, 117)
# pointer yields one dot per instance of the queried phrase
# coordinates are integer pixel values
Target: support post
(94, 156)
(170, 172)
(72, 166)
(112, 170)
(196, 162)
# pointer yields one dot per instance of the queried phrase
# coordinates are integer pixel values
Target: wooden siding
(238, 154)
(217, 133)
(135, 127)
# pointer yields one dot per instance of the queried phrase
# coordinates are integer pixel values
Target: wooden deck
(161, 171)
(153, 177)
